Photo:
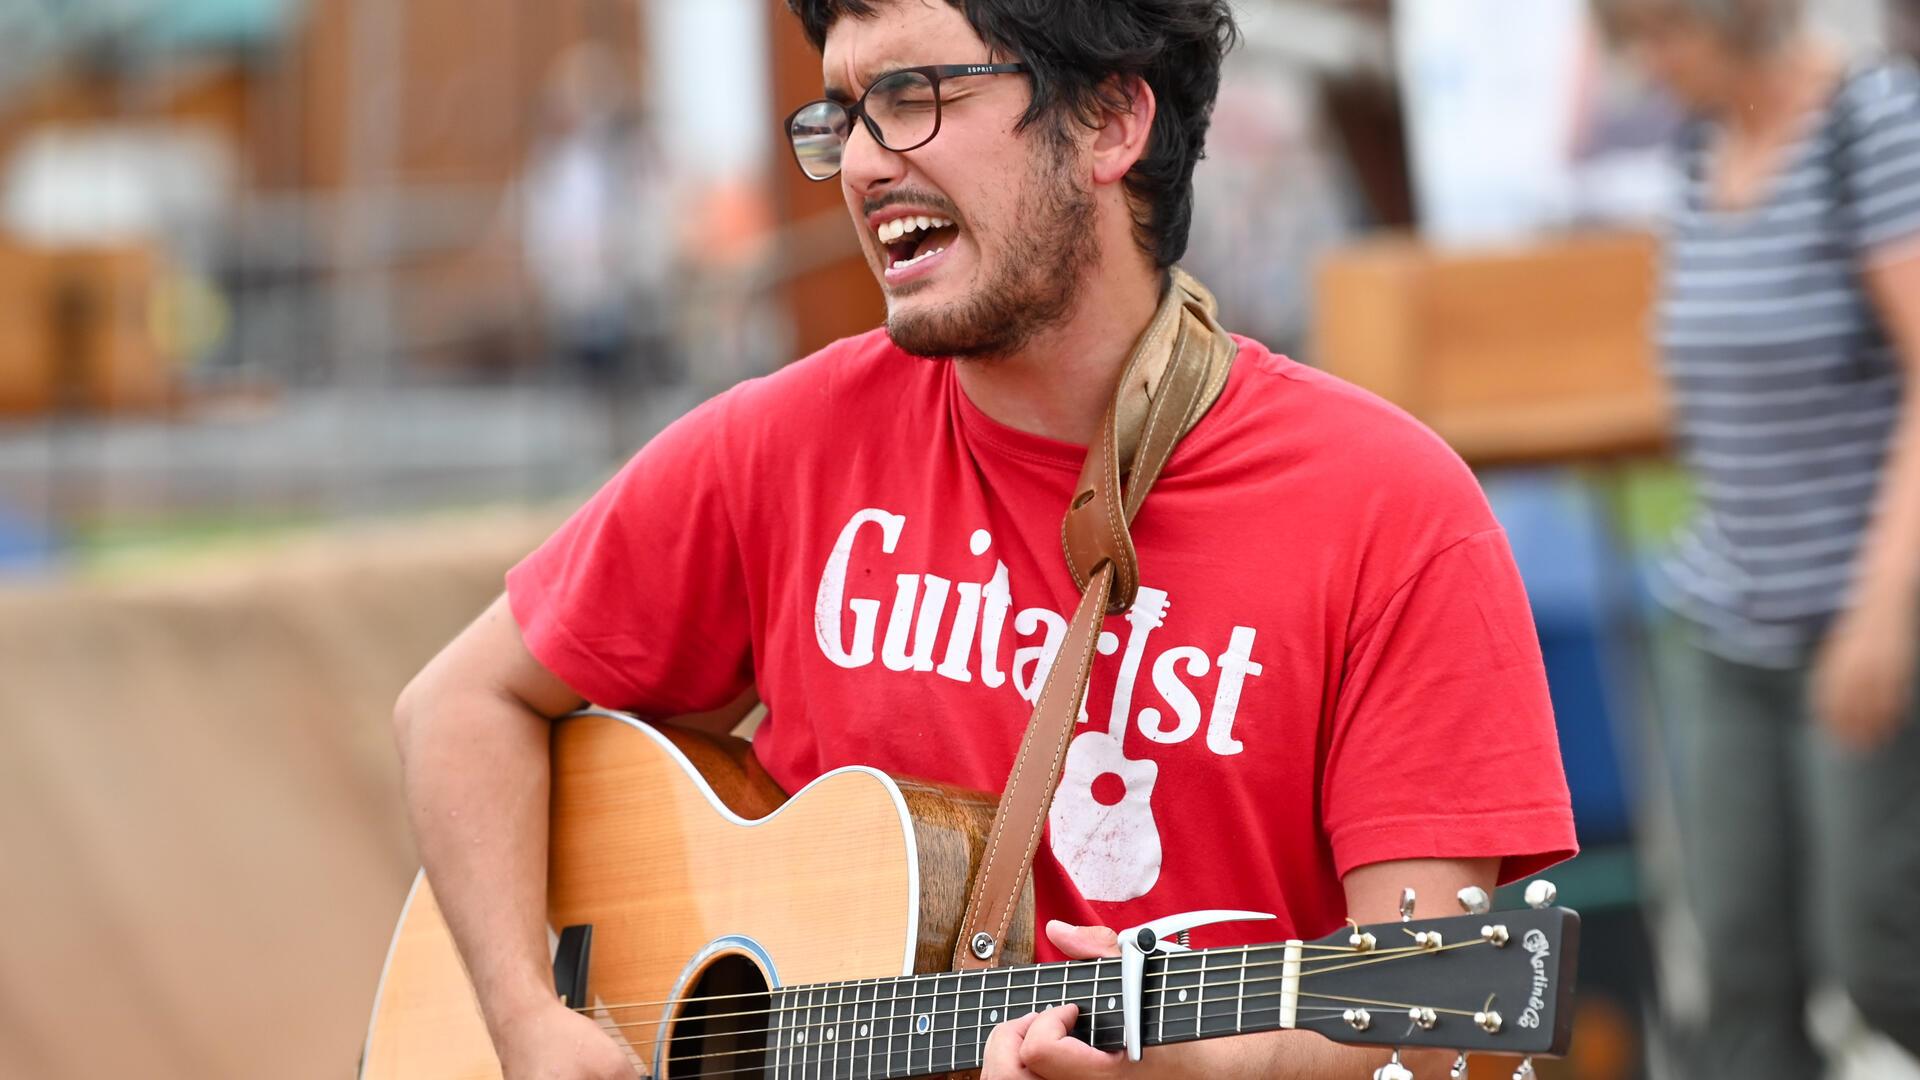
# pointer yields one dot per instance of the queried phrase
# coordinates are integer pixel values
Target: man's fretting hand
(1042, 1045)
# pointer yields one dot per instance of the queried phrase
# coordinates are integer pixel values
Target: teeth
(922, 257)
(892, 231)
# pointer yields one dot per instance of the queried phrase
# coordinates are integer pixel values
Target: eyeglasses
(901, 111)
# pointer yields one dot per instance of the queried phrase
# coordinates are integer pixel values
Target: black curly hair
(1080, 54)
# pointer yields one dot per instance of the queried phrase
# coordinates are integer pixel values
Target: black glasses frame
(858, 110)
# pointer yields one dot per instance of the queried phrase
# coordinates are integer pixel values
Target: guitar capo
(1158, 936)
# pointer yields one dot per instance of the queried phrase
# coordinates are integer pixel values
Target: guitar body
(700, 878)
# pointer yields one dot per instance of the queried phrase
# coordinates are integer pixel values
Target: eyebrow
(870, 75)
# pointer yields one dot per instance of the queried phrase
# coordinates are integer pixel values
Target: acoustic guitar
(717, 928)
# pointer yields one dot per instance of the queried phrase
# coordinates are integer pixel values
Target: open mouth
(912, 240)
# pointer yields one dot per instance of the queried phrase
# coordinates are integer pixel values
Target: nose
(867, 167)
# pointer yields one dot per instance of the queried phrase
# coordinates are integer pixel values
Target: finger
(1082, 942)
(1001, 1057)
(1048, 1024)
(1051, 1050)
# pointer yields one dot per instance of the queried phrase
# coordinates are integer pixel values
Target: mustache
(926, 200)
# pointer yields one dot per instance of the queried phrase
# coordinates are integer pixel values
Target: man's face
(1014, 229)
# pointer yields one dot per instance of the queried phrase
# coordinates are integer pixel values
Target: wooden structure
(76, 331)
(1528, 355)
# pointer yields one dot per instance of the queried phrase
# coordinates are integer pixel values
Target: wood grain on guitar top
(640, 848)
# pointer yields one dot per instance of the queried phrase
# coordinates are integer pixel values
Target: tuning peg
(1406, 905)
(1541, 893)
(1393, 1070)
(1525, 1071)
(1459, 1067)
(1474, 900)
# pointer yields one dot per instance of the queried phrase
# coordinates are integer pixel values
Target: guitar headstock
(1497, 982)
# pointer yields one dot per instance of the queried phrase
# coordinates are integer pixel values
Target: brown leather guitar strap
(1176, 371)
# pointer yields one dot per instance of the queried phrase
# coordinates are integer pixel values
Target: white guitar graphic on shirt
(1111, 850)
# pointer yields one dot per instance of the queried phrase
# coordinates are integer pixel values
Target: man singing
(1327, 690)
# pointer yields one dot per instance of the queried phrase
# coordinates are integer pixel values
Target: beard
(1049, 247)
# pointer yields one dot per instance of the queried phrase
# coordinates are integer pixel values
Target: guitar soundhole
(721, 1031)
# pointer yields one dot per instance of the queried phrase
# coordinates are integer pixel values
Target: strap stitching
(1060, 745)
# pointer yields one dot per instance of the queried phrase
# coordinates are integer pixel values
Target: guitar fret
(968, 1037)
(808, 1047)
(900, 1046)
(773, 1034)
(1203, 994)
(864, 1019)
(841, 1034)
(1161, 1035)
(994, 1006)
(830, 1046)
(1082, 990)
(889, 1025)
(1240, 997)
(1114, 1019)
(1181, 1010)
(922, 1038)
(1090, 1014)
(850, 1030)
(945, 1023)
(796, 1024)
(822, 1053)
(982, 1028)
(1265, 984)
(1219, 1001)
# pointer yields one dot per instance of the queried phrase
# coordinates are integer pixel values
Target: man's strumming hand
(556, 1043)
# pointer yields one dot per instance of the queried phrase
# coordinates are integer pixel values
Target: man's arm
(473, 730)
(1039, 1046)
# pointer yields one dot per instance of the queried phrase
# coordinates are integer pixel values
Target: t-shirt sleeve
(1442, 741)
(639, 601)
(1881, 150)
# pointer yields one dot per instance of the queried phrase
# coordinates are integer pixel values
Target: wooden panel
(26, 341)
(75, 331)
(1534, 354)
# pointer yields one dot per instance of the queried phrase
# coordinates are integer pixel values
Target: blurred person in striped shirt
(1789, 325)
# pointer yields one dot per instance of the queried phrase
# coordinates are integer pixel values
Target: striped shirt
(1785, 385)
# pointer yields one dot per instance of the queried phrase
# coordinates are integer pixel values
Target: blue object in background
(1582, 590)
(27, 544)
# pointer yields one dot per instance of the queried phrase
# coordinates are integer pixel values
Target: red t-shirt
(1331, 662)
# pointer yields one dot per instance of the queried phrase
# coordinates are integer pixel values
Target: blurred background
(316, 314)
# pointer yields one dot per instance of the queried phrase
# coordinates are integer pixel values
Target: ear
(1121, 138)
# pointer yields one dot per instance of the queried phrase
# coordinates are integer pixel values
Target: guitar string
(959, 1009)
(827, 1054)
(1340, 953)
(1332, 1013)
(957, 1012)
(1321, 966)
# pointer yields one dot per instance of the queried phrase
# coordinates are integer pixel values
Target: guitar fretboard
(928, 1024)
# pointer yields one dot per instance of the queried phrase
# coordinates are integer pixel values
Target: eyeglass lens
(902, 112)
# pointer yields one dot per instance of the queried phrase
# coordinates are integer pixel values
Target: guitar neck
(929, 1024)
(1496, 983)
